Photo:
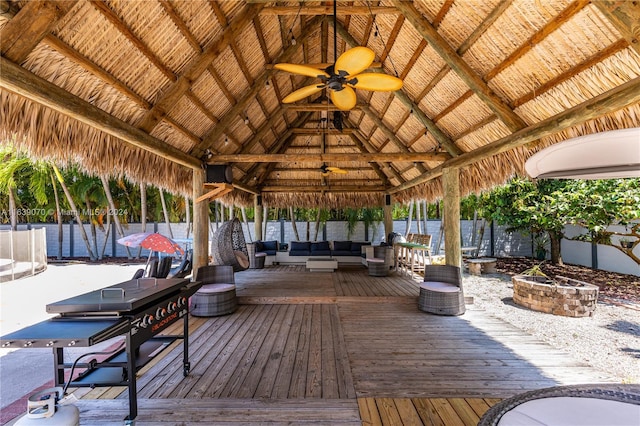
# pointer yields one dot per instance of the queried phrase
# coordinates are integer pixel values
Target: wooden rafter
(184, 30)
(438, 134)
(314, 157)
(215, 190)
(259, 82)
(195, 69)
(29, 26)
(613, 100)
(466, 45)
(315, 107)
(624, 16)
(96, 70)
(115, 20)
(572, 72)
(328, 10)
(20, 81)
(466, 73)
(278, 148)
(321, 188)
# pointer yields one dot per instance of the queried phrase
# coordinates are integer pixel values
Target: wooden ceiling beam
(551, 26)
(466, 73)
(571, 72)
(624, 16)
(29, 26)
(356, 137)
(72, 54)
(484, 26)
(320, 131)
(327, 10)
(258, 85)
(323, 188)
(20, 81)
(186, 33)
(195, 69)
(615, 99)
(321, 107)
(115, 20)
(278, 148)
(438, 134)
(323, 65)
(316, 157)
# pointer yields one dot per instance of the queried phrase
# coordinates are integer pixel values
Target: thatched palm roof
(150, 89)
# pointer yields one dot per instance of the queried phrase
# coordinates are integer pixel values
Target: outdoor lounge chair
(185, 266)
(217, 296)
(441, 292)
(164, 266)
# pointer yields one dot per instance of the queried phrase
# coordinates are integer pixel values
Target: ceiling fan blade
(301, 70)
(355, 60)
(344, 99)
(337, 170)
(377, 82)
(302, 93)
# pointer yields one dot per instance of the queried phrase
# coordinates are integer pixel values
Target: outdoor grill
(138, 310)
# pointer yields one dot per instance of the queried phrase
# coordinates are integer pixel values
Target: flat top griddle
(125, 297)
(56, 329)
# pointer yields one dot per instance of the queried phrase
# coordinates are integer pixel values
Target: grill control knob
(182, 301)
(161, 313)
(172, 306)
(146, 320)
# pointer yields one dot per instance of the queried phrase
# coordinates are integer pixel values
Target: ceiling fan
(343, 76)
(326, 170)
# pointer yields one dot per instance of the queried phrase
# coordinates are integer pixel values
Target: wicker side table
(377, 267)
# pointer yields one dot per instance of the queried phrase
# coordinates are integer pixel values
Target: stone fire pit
(562, 296)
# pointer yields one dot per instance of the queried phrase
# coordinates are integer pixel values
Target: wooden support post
(451, 186)
(388, 219)
(257, 204)
(200, 222)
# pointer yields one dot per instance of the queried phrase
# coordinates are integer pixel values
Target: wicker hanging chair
(228, 246)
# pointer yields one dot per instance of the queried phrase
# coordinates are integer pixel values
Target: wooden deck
(337, 348)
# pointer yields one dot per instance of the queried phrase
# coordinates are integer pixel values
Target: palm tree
(13, 162)
(114, 211)
(75, 211)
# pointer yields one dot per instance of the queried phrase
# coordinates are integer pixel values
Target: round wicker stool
(377, 267)
(441, 298)
(213, 300)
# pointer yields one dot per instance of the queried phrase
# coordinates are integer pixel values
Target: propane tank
(43, 408)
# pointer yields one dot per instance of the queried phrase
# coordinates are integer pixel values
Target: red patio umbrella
(152, 241)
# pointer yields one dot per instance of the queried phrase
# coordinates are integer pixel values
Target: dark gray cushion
(320, 246)
(300, 248)
(342, 246)
(356, 247)
(269, 247)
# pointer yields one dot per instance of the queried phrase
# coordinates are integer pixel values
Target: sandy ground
(23, 303)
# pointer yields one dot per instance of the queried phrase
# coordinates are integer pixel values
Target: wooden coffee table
(321, 264)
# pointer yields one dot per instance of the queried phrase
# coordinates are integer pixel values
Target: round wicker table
(597, 404)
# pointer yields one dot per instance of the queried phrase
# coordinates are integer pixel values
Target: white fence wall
(496, 242)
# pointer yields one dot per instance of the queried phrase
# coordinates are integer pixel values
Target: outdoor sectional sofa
(345, 252)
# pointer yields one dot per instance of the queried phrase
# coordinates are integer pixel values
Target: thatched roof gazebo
(152, 90)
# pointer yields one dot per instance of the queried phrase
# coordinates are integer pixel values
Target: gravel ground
(608, 341)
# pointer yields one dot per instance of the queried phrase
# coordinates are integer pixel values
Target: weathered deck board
(337, 348)
(398, 351)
